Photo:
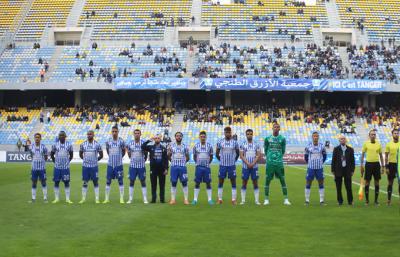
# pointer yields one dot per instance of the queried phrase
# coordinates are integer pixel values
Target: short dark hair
(137, 130)
(90, 131)
(202, 133)
(394, 130)
(249, 130)
(115, 127)
(62, 132)
(38, 134)
(227, 129)
(315, 132)
(178, 132)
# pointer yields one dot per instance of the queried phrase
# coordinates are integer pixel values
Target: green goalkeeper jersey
(274, 148)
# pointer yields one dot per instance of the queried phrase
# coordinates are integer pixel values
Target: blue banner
(292, 84)
(351, 85)
(151, 83)
(257, 84)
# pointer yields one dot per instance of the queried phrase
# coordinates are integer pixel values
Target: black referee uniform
(158, 165)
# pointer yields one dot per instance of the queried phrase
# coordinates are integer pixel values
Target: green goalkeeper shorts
(277, 171)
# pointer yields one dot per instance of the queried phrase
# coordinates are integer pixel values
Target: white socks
(107, 192)
(33, 193)
(84, 192)
(121, 192)
(131, 193)
(96, 193)
(307, 194)
(209, 194)
(233, 194)
(144, 193)
(243, 194)
(220, 191)
(173, 193)
(57, 193)
(67, 192)
(186, 193)
(256, 195)
(321, 195)
(196, 193)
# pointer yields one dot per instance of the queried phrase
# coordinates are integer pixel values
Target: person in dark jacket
(342, 167)
(158, 166)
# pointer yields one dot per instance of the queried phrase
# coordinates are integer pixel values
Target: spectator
(19, 144)
(27, 145)
(41, 73)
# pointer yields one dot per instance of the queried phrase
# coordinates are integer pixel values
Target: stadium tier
(44, 13)
(10, 13)
(276, 20)
(21, 64)
(379, 18)
(75, 63)
(126, 19)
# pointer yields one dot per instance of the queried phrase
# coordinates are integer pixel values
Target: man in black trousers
(343, 165)
(158, 166)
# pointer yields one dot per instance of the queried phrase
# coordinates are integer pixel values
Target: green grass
(161, 230)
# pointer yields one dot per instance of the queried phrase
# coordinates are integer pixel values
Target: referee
(373, 150)
(391, 162)
(158, 166)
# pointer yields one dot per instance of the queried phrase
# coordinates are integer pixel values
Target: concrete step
(345, 60)
(75, 13)
(53, 61)
(333, 14)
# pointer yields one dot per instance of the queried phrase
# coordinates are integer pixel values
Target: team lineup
(174, 157)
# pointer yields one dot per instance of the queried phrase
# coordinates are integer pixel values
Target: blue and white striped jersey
(250, 152)
(62, 154)
(137, 155)
(315, 155)
(115, 149)
(202, 153)
(227, 151)
(37, 154)
(179, 152)
(90, 153)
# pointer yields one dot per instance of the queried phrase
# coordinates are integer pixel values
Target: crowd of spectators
(374, 62)
(169, 62)
(278, 62)
(121, 115)
(343, 116)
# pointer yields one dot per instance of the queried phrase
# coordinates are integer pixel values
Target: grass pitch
(161, 230)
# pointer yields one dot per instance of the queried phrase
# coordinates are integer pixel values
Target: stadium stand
(17, 123)
(275, 20)
(110, 62)
(296, 125)
(21, 64)
(375, 62)
(269, 62)
(43, 13)
(379, 18)
(131, 20)
(9, 14)
(76, 122)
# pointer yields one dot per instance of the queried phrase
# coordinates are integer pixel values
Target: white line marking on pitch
(354, 182)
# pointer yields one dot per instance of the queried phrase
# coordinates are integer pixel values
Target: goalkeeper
(275, 146)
